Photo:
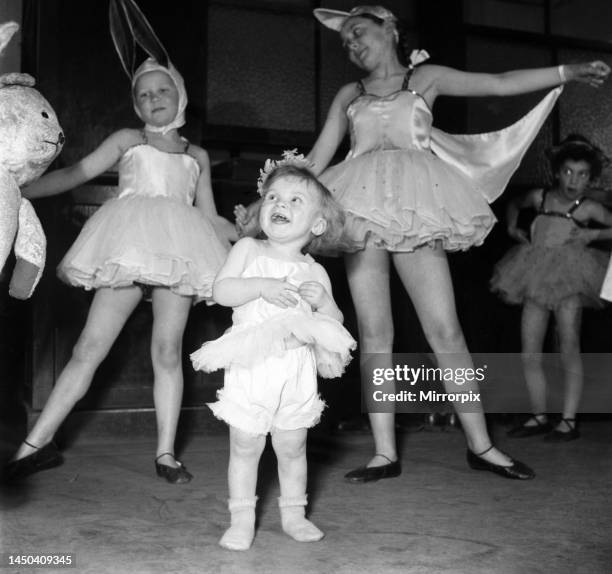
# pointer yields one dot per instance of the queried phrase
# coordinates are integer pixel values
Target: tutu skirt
(400, 199)
(248, 344)
(150, 240)
(550, 274)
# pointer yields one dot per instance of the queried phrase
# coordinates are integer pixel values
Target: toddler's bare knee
(246, 445)
(287, 446)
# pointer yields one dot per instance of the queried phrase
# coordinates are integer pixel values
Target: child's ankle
(294, 521)
(240, 535)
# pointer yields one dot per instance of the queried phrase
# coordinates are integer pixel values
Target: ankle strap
(385, 457)
(484, 451)
(30, 444)
(164, 454)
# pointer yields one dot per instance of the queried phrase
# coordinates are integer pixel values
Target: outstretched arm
(231, 289)
(443, 81)
(97, 162)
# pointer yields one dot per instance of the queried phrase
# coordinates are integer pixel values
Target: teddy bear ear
(16, 79)
(7, 30)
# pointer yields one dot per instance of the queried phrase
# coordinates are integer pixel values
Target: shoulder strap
(542, 209)
(407, 76)
(575, 206)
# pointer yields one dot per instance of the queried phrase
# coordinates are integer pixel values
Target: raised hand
(247, 220)
(592, 73)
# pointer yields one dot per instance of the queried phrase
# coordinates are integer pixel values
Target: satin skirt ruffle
(399, 200)
(149, 240)
(247, 344)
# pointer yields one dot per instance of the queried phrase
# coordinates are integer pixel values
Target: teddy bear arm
(10, 200)
(30, 251)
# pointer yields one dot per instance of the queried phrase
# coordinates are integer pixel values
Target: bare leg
(426, 277)
(569, 316)
(170, 312)
(109, 310)
(290, 449)
(368, 277)
(245, 452)
(534, 323)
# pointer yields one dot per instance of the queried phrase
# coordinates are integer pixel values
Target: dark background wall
(260, 75)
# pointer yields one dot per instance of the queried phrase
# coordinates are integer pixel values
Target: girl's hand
(518, 234)
(278, 292)
(314, 294)
(592, 73)
(247, 220)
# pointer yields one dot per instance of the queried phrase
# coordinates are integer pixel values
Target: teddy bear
(30, 139)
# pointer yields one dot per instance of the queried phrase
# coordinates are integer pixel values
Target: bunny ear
(6, 33)
(122, 37)
(129, 27)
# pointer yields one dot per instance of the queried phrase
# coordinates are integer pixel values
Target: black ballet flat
(516, 470)
(43, 458)
(560, 436)
(178, 475)
(369, 474)
(523, 431)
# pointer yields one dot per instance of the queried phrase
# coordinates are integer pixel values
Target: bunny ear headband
(129, 28)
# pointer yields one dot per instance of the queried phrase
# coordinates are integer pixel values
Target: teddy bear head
(30, 134)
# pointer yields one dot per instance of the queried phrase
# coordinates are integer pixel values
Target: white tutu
(248, 344)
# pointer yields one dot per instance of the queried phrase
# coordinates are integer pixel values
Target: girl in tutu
(554, 271)
(286, 326)
(410, 192)
(150, 241)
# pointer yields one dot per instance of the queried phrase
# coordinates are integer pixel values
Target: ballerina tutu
(152, 240)
(248, 344)
(400, 199)
(550, 274)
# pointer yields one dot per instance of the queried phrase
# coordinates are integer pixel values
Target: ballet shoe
(174, 475)
(43, 458)
(371, 473)
(524, 431)
(564, 436)
(516, 470)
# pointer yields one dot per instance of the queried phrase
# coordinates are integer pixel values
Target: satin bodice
(552, 227)
(147, 171)
(401, 120)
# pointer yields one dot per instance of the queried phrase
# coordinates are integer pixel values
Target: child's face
(364, 41)
(156, 98)
(574, 176)
(291, 211)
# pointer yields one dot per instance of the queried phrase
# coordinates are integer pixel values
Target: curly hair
(576, 147)
(331, 211)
